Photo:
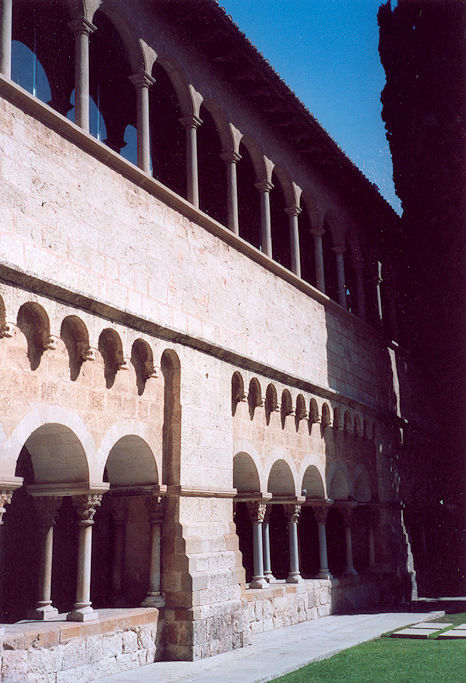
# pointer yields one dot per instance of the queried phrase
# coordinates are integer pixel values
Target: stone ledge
(24, 634)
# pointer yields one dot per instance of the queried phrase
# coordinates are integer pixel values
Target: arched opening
(339, 487)
(75, 336)
(286, 406)
(113, 96)
(300, 412)
(33, 322)
(351, 283)
(52, 454)
(313, 411)
(168, 146)
(313, 486)
(336, 542)
(326, 417)
(281, 250)
(248, 199)
(280, 484)
(330, 266)
(245, 481)
(308, 543)
(306, 248)
(121, 539)
(129, 149)
(360, 537)
(42, 51)
(212, 169)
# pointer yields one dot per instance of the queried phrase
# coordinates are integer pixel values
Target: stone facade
(195, 417)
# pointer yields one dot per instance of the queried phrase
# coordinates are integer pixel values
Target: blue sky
(326, 51)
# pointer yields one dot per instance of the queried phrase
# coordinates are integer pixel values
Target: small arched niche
(33, 322)
(271, 401)
(348, 422)
(300, 412)
(75, 336)
(142, 359)
(254, 396)
(111, 350)
(313, 486)
(237, 390)
(286, 406)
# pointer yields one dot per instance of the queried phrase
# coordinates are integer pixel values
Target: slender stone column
(6, 15)
(86, 508)
(231, 158)
(341, 281)
(292, 513)
(142, 82)
(269, 577)
(264, 188)
(46, 510)
(119, 512)
(155, 508)
(191, 124)
(347, 514)
(256, 511)
(293, 213)
(319, 259)
(320, 515)
(82, 29)
(373, 521)
(360, 296)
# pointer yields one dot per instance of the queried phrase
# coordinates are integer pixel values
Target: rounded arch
(33, 321)
(222, 125)
(254, 395)
(75, 336)
(249, 172)
(326, 416)
(237, 390)
(134, 52)
(300, 411)
(314, 411)
(282, 479)
(362, 486)
(212, 172)
(245, 474)
(245, 446)
(123, 436)
(59, 423)
(312, 483)
(271, 399)
(179, 83)
(142, 359)
(111, 350)
(287, 186)
(257, 157)
(338, 481)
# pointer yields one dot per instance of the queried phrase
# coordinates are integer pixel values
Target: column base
(324, 574)
(82, 614)
(351, 572)
(294, 577)
(153, 600)
(270, 578)
(43, 613)
(258, 582)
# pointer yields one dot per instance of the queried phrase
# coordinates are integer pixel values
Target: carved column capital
(86, 506)
(82, 25)
(5, 499)
(155, 506)
(268, 512)
(292, 513)
(320, 513)
(190, 121)
(230, 156)
(293, 210)
(256, 510)
(264, 186)
(142, 79)
(46, 509)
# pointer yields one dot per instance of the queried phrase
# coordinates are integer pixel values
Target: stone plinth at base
(118, 640)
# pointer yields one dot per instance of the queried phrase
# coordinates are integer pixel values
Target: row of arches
(299, 408)
(137, 100)
(281, 478)
(33, 321)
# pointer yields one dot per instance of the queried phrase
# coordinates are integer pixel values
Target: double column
(86, 506)
(320, 514)
(82, 29)
(257, 510)
(191, 123)
(347, 515)
(317, 234)
(155, 506)
(264, 188)
(293, 213)
(292, 513)
(6, 16)
(231, 158)
(142, 82)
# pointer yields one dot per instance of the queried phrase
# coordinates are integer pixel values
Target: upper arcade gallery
(136, 89)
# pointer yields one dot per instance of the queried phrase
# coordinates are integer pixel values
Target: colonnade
(259, 513)
(142, 81)
(86, 504)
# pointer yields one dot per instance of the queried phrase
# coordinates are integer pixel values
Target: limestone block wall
(65, 652)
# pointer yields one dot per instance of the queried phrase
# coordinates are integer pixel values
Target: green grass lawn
(391, 660)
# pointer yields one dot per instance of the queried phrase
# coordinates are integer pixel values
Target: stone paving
(275, 653)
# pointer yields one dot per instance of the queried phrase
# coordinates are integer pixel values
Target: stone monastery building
(200, 419)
